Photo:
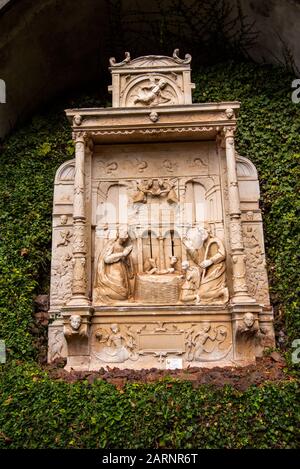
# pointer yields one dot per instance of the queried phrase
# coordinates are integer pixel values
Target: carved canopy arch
(206, 182)
(66, 172)
(245, 168)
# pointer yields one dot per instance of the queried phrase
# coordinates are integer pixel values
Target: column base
(79, 300)
(240, 299)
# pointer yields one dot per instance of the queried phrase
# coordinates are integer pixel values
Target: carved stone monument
(158, 248)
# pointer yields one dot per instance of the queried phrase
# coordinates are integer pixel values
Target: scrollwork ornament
(114, 63)
(187, 58)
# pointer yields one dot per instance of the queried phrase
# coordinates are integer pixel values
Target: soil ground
(269, 368)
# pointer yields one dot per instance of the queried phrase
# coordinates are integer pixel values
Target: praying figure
(114, 271)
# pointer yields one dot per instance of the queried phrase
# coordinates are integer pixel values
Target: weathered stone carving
(265, 338)
(114, 271)
(153, 116)
(66, 236)
(153, 92)
(118, 347)
(56, 344)
(61, 288)
(153, 268)
(190, 287)
(247, 333)
(74, 327)
(155, 188)
(212, 287)
(110, 167)
(63, 219)
(157, 231)
(255, 266)
(207, 343)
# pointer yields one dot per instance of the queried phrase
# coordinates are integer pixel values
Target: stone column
(140, 250)
(79, 282)
(240, 289)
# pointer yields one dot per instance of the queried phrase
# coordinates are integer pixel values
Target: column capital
(229, 132)
(80, 136)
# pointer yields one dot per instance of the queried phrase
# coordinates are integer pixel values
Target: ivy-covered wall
(269, 134)
(38, 412)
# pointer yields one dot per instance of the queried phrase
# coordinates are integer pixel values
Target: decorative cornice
(149, 131)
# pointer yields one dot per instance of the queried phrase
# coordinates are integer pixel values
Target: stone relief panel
(178, 190)
(115, 346)
(256, 273)
(208, 342)
(147, 259)
(57, 346)
(150, 160)
(151, 90)
(61, 277)
(62, 237)
(197, 342)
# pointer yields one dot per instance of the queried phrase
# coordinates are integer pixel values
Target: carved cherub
(152, 93)
(152, 263)
(65, 238)
(153, 269)
(143, 188)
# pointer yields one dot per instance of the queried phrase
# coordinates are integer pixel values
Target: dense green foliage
(38, 412)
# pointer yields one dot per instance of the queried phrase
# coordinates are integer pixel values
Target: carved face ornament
(75, 322)
(249, 320)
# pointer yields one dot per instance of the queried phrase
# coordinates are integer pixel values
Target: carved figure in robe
(213, 277)
(190, 286)
(114, 271)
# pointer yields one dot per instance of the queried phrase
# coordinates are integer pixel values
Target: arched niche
(65, 173)
(195, 203)
(133, 87)
(112, 204)
(247, 180)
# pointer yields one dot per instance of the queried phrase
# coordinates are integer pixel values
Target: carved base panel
(160, 338)
(163, 337)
